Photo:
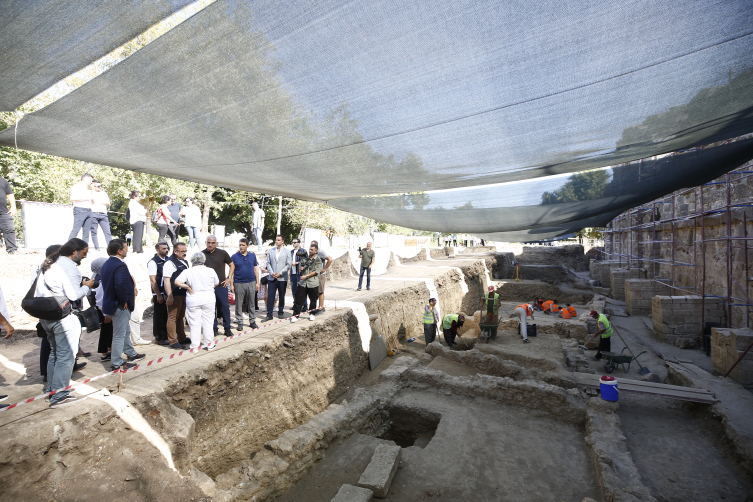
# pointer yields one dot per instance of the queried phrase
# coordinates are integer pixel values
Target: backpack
(51, 308)
(128, 214)
(155, 216)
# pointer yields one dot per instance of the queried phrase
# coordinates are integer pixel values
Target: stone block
(350, 493)
(381, 470)
(679, 299)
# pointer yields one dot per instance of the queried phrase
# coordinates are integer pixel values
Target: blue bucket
(609, 390)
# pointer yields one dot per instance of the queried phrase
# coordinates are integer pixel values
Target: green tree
(587, 185)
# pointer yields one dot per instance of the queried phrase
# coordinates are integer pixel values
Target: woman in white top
(137, 221)
(200, 282)
(192, 215)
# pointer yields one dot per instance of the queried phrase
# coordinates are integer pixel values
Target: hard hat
(461, 317)
(491, 288)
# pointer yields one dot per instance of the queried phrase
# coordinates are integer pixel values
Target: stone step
(381, 470)
(350, 493)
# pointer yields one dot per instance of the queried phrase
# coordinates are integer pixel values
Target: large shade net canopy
(476, 116)
(43, 42)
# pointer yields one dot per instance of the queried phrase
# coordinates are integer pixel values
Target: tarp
(336, 100)
(42, 42)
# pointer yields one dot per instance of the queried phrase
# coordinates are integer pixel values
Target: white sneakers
(211, 346)
(142, 342)
(312, 317)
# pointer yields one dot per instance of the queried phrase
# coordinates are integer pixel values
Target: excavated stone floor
(292, 413)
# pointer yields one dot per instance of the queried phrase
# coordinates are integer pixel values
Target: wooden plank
(593, 380)
(669, 391)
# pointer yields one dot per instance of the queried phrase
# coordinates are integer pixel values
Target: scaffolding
(664, 216)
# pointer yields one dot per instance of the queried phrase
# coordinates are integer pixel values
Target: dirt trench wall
(243, 402)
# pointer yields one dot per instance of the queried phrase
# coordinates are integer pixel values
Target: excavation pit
(408, 427)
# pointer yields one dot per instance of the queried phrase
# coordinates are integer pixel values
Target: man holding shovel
(605, 330)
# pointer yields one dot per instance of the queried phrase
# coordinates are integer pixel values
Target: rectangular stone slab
(350, 493)
(378, 475)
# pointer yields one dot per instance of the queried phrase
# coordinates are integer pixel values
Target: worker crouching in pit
(450, 325)
(490, 305)
(522, 312)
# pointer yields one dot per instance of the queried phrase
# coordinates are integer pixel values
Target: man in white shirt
(257, 224)
(63, 278)
(81, 197)
(100, 201)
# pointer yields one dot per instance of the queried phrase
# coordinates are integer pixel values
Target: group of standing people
(168, 217)
(454, 240)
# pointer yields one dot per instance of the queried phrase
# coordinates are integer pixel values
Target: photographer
(309, 283)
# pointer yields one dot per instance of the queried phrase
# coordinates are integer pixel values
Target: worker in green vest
(605, 330)
(450, 325)
(431, 319)
(490, 305)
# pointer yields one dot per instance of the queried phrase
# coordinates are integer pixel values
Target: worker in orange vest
(565, 313)
(522, 312)
(572, 311)
(550, 307)
(540, 303)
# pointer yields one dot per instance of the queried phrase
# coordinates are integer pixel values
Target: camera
(94, 286)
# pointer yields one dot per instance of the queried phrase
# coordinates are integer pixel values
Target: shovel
(461, 338)
(643, 370)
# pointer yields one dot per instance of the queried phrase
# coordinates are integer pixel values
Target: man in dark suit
(118, 302)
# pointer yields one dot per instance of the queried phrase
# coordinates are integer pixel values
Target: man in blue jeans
(60, 277)
(216, 260)
(367, 260)
(118, 302)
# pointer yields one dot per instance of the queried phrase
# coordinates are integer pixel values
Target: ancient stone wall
(677, 319)
(570, 256)
(691, 254)
(639, 294)
(618, 277)
(727, 346)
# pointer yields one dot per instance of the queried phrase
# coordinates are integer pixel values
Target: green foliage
(587, 185)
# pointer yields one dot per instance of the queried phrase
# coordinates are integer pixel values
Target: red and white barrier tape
(147, 364)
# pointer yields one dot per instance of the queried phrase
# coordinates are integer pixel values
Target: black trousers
(300, 298)
(105, 334)
(44, 349)
(449, 337)
(9, 233)
(159, 320)
(173, 229)
(605, 345)
(430, 332)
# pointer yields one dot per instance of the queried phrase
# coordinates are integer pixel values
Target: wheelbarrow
(488, 330)
(613, 359)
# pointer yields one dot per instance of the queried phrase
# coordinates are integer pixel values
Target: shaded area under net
(336, 100)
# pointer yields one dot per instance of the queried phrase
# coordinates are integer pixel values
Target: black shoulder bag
(49, 308)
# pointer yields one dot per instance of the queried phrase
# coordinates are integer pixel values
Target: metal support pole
(729, 253)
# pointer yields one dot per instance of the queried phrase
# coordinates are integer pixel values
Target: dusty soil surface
(679, 454)
(481, 451)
